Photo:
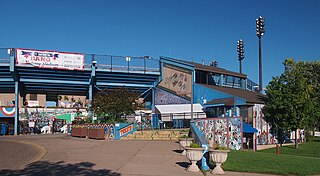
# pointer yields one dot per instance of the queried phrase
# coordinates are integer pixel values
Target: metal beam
(6, 79)
(53, 81)
(16, 106)
(123, 84)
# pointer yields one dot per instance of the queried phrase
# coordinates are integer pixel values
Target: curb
(41, 151)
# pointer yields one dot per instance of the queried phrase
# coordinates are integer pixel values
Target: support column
(92, 82)
(152, 99)
(192, 83)
(90, 103)
(16, 106)
(221, 80)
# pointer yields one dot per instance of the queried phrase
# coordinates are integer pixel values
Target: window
(33, 97)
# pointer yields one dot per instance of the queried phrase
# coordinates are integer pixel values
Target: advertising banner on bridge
(49, 59)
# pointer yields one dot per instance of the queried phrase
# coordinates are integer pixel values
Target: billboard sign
(49, 59)
(176, 79)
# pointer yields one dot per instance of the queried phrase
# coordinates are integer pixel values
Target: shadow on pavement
(59, 168)
(183, 164)
(178, 151)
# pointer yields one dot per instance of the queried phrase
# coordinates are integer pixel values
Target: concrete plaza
(60, 154)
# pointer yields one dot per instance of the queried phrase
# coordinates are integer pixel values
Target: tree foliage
(111, 104)
(291, 96)
(312, 74)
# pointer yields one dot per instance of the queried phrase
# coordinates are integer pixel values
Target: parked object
(64, 129)
(46, 129)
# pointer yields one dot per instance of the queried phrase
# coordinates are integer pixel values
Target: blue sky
(189, 30)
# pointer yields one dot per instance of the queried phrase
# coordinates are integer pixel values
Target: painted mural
(164, 98)
(235, 135)
(33, 119)
(263, 135)
(222, 131)
(177, 80)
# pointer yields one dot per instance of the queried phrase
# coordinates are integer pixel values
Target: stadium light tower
(240, 49)
(260, 31)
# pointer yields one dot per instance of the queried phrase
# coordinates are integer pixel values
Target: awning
(66, 117)
(179, 111)
(248, 129)
(178, 108)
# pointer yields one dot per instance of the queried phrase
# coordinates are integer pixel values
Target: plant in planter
(219, 155)
(79, 131)
(194, 153)
(184, 142)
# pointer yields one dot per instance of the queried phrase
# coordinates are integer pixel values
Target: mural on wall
(164, 98)
(235, 133)
(36, 118)
(177, 80)
(263, 135)
(222, 131)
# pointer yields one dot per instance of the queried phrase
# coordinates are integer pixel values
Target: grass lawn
(302, 161)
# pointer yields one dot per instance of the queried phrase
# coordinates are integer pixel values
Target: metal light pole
(240, 49)
(260, 31)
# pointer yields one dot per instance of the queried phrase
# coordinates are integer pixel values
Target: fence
(106, 62)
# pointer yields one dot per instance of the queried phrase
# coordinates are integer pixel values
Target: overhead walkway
(97, 72)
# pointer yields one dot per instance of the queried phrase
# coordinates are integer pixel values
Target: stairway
(159, 135)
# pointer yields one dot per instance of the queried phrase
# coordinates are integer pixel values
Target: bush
(218, 147)
(194, 145)
(308, 136)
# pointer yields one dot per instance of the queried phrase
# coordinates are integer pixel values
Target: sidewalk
(79, 156)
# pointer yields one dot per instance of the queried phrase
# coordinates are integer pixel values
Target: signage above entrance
(50, 59)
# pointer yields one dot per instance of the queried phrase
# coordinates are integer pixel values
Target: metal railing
(106, 62)
(123, 63)
(4, 55)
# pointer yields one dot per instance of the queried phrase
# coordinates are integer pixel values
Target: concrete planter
(184, 142)
(218, 157)
(79, 132)
(96, 133)
(194, 155)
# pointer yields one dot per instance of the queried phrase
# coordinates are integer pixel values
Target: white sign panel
(33, 103)
(49, 59)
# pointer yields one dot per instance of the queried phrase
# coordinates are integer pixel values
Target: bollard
(277, 149)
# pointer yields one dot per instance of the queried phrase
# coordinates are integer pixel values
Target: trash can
(3, 129)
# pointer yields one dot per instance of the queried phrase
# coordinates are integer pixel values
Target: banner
(177, 80)
(49, 59)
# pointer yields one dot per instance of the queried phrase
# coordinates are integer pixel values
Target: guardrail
(200, 139)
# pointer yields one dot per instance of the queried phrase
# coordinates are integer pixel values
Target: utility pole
(260, 31)
(240, 49)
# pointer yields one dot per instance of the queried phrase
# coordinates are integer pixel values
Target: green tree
(299, 91)
(311, 71)
(111, 104)
(289, 97)
(276, 105)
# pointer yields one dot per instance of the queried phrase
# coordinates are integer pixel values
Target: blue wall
(202, 94)
(163, 97)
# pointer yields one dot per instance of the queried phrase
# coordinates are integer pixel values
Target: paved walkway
(60, 154)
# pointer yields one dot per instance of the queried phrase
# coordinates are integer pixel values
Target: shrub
(194, 145)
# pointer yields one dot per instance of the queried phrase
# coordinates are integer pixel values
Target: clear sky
(189, 30)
